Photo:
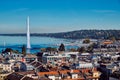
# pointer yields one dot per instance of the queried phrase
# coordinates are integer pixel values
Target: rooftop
(30, 56)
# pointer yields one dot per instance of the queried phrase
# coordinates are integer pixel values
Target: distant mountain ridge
(78, 34)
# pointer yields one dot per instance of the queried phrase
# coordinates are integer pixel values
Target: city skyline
(50, 16)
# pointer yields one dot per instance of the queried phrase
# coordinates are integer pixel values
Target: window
(32, 58)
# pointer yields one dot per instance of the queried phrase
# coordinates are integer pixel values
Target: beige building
(3, 75)
(6, 66)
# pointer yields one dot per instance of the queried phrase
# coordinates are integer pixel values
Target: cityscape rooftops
(30, 56)
(106, 42)
(74, 74)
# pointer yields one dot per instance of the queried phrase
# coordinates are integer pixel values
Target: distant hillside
(79, 34)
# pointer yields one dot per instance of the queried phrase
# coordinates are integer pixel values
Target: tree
(48, 49)
(24, 50)
(90, 49)
(112, 38)
(86, 41)
(51, 49)
(8, 50)
(81, 50)
(73, 50)
(15, 51)
(61, 47)
(43, 49)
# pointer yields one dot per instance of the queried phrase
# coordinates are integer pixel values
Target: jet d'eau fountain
(28, 36)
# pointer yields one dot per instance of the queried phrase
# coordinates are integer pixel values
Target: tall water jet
(28, 36)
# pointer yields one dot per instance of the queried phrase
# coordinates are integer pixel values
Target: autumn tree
(86, 41)
(112, 38)
(73, 50)
(43, 49)
(51, 49)
(81, 49)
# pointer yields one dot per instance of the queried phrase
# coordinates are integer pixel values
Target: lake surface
(16, 42)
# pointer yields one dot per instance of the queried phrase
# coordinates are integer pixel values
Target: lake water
(16, 42)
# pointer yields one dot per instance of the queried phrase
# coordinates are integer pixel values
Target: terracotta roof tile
(64, 72)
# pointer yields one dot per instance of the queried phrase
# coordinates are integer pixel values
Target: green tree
(61, 47)
(24, 50)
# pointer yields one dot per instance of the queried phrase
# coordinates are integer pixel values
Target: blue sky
(49, 16)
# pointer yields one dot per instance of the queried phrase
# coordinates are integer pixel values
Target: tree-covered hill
(79, 34)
